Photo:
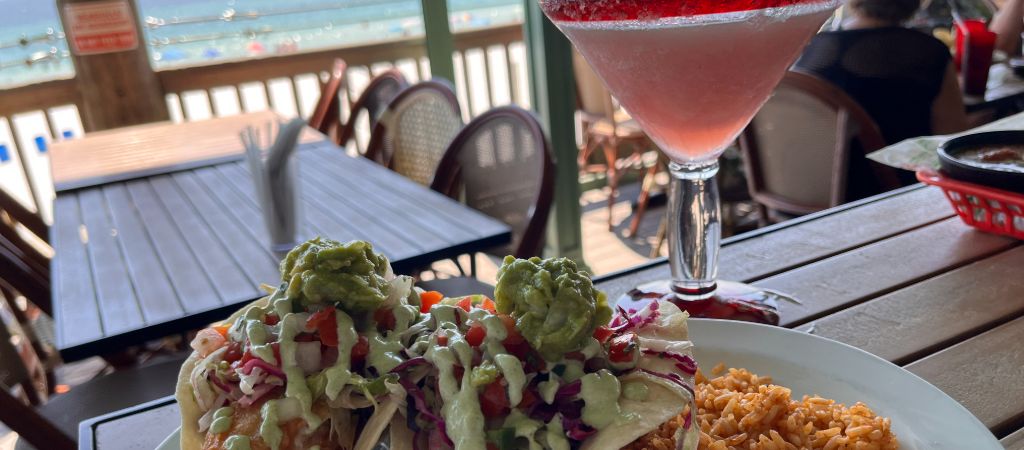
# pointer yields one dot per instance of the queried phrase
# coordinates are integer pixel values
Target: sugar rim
(780, 12)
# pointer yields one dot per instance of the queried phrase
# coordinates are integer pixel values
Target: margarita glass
(693, 73)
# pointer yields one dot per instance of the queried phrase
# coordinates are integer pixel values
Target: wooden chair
(612, 142)
(798, 148)
(416, 129)
(25, 272)
(52, 423)
(500, 165)
(326, 116)
(373, 101)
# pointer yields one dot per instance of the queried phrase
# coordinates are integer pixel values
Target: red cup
(974, 47)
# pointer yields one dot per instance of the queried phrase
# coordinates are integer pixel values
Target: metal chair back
(373, 101)
(416, 130)
(798, 148)
(500, 164)
(326, 117)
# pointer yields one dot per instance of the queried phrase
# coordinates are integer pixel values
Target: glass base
(732, 301)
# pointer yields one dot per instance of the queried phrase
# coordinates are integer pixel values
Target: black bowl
(969, 171)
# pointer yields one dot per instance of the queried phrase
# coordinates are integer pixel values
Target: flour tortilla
(665, 400)
(191, 437)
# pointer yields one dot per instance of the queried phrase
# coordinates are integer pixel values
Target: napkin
(921, 153)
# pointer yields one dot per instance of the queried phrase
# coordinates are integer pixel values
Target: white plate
(173, 442)
(923, 417)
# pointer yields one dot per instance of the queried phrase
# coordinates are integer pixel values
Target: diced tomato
(305, 337)
(233, 353)
(442, 340)
(491, 446)
(487, 305)
(475, 335)
(602, 334)
(529, 399)
(314, 319)
(276, 347)
(222, 329)
(271, 319)
(513, 337)
(467, 304)
(520, 349)
(360, 350)
(429, 299)
(385, 318)
(328, 333)
(494, 401)
(246, 357)
(324, 322)
(458, 371)
(623, 347)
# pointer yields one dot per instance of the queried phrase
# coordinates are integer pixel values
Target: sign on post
(100, 27)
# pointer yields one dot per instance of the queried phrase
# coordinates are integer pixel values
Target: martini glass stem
(694, 229)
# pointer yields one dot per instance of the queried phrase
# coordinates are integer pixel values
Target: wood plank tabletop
(143, 150)
(148, 257)
(896, 275)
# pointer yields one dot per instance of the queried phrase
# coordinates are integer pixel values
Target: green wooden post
(440, 45)
(554, 97)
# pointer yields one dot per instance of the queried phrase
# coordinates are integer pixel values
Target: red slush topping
(601, 10)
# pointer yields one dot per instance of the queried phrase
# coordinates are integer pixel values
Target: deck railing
(490, 70)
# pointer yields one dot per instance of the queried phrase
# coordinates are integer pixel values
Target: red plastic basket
(987, 209)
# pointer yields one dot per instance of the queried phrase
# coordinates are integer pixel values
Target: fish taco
(343, 354)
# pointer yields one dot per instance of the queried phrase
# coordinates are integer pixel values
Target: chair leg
(660, 237)
(613, 180)
(645, 198)
(31, 426)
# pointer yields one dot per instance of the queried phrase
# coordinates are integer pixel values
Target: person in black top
(903, 78)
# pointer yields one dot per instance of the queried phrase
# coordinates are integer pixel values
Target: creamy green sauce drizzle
(600, 394)
(296, 386)
(463, 418)
(384, 352)
(339, 375)
(237, 443)
(554, 434)
(635, 390)
(512, 369)
(221, 420)
(269, 429)
(549, 388)
(524, 427)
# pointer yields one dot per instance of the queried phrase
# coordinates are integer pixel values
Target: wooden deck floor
(604, 251)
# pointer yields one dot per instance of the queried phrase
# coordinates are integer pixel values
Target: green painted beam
(440, 44)
(554, 97)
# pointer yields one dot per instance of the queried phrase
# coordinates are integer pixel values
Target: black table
(896, 275)
(149, 257)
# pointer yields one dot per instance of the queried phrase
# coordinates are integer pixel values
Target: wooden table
(148, 257)
(897, 275)
(132, 152)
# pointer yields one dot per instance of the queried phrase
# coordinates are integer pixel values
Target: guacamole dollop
(554, 304)
(349, 276)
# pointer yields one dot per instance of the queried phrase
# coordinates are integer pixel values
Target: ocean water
(282, 27)
(186, 32)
